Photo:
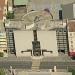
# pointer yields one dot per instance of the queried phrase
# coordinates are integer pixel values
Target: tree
(2, 72)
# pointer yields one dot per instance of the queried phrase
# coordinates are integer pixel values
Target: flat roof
(2, 4)
(71, 26)
(21, 2)
(23, 42)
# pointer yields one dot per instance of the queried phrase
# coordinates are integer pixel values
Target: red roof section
(2, 4)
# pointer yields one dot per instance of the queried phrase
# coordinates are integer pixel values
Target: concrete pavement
(46, 63)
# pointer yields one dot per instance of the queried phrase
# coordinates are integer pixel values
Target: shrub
(1, 54)
(72, 70)
(2, 72)
(10, 15)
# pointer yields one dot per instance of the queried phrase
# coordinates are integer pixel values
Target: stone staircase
(35, 64)
(10, 39)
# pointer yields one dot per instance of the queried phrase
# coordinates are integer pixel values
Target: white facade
(3, 44)
(74, 10)
(23, 42)
(71, 38)
(48, 41)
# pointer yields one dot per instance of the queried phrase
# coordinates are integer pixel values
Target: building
(56, 25)
(53, 6)
(67, 2)
(68, 11)
(10, 6)
(71, 37)
(20, 2)
(20, 8)
(62, 40)
(10, 40)
(3, 9)
(38, 5)
(24, 2)
(3, 44)
(35, 5)
(40, 43)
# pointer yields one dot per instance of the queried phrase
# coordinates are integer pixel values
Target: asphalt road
(27, 64)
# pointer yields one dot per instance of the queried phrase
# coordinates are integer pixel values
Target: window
(51, 51)
(60, 14)
(71, 42)
(21, 51)
(70, 34)
(5, 51)
(71, 46)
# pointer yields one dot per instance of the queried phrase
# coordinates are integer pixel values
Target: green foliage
(10, 15)
(72, 70)
(2, 72)
(1, 54)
